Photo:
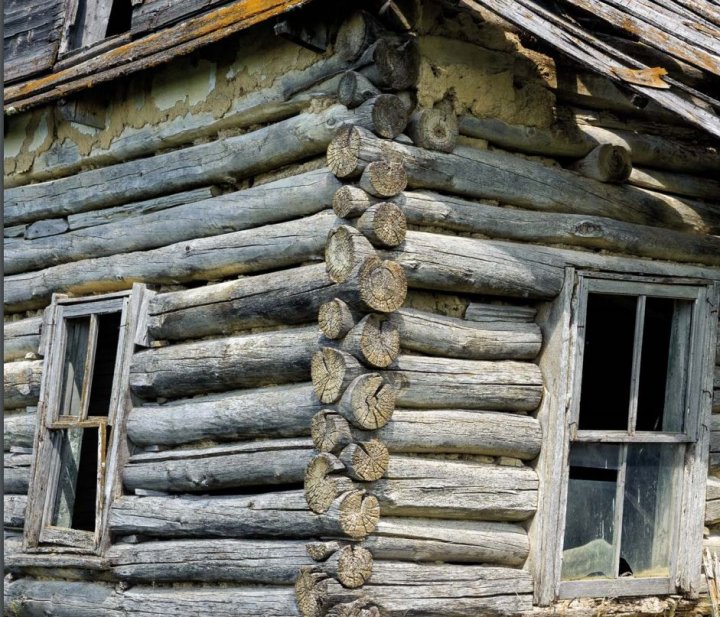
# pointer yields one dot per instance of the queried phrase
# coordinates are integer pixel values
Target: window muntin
(626, 464)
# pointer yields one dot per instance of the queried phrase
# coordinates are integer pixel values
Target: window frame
(561, 363)
(39, 535)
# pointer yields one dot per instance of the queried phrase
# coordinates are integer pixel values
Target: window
(88, 22)
(630, 443)
(79, 442)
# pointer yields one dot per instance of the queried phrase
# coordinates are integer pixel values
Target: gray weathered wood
(45, 228)
(18, 430)
(368, 402)
(605, 163)
(119, 213)
(28, 597)
(395, 64)
(268, 148)
(430, 261)
(577, 140)
(224, 364)
(301, 195)
(14, 511)
(398, 589)
(598, 232)
(21, 383)
(412, 539)
(437, 335)
(712, 503)
(282, 297)
(267, 515)
(443, 431)
(449, 383)
(16, 473)
(434, 129)
(456, 490)
(280, 411)
(268, 562)
(678, 184)
(240, 252)
(354, 89)
(278, 461)
(484, 312)
(471, 172)
(374, 340)
(21, 337)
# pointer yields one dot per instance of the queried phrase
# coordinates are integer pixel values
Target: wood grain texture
(240, 252)
(436, 335)
(416, 539)
(268, 148)
(449, 383)
(28, 597)
(415, 486)
(278, 461)
(424, 208)
(268, 562)
(18, 430)
(301, 195)
(267, 515)
(489, 174)
(278, 411)
(21, 383)
(21, 337)
(14, 511)
(224, 364)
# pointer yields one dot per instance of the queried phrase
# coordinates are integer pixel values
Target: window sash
(563, 344)
(642, 291)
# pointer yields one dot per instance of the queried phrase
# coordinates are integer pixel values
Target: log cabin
(396, 308)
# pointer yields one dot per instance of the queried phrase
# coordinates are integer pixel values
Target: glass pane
(104, 367)
(74, 366)
(663, 369)
(648, 509)
(77, 481)
(607, 363)
(589, 522)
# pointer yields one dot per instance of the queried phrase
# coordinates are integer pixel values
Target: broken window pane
(663, 369)
(75, 366)
(76, 494)
(607, 363)
(104, 366)
(648, 512)
(589, 523)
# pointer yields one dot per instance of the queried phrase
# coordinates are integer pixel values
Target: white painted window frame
(38, 535)
(559, 362)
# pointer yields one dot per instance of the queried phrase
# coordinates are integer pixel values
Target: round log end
(321, 488)
(310, 588)
(434, 129)
(354, 89)
(354, 566)
(335, 319)
(328, 371)
(369, 401)
(389, 115)
(398, 67)
(384, 178)
(384, 224)
(359, 514)
(358, 608)
(343, 153)
(351, 201)
(383, 285)
(353, 36)
(330, 432)
(320, 551)
(345, 249)
(379, 341)
(619, 163)
(366, 461)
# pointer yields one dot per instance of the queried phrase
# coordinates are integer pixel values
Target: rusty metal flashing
(146, 52)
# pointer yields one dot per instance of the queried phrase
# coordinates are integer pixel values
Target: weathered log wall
(410, 427)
